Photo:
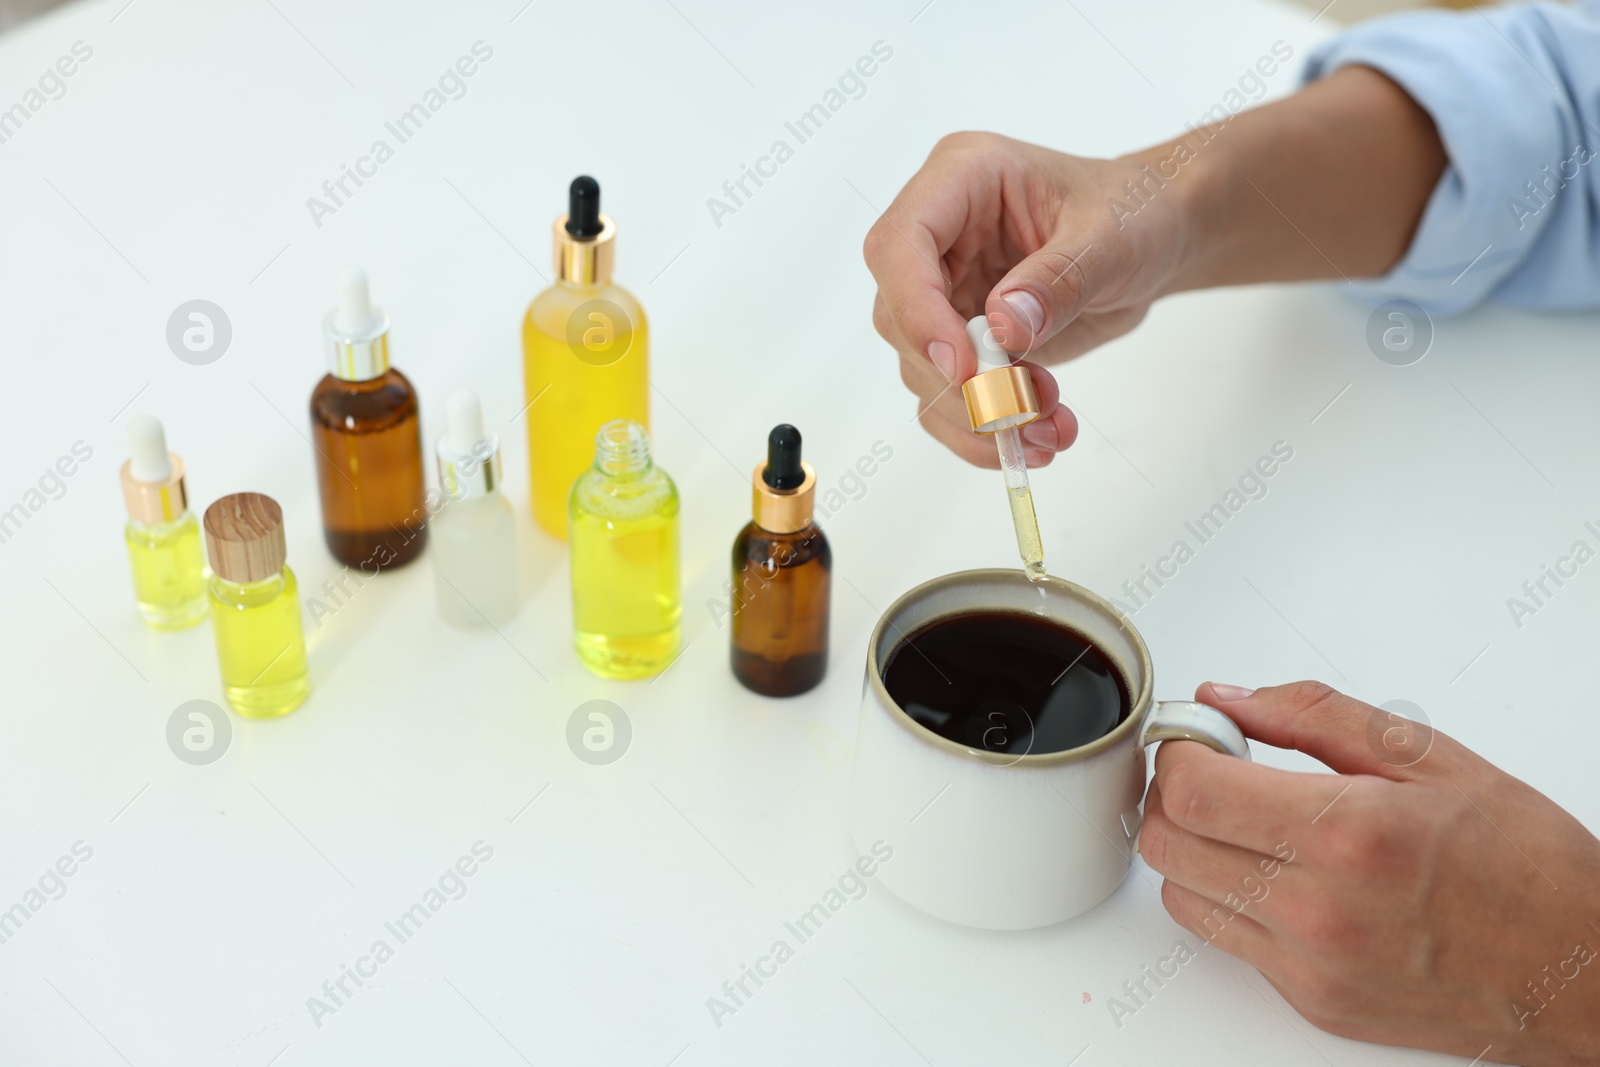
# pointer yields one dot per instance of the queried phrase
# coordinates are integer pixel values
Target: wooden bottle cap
(244, 537)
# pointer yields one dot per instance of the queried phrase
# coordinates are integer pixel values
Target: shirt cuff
(1487, 80)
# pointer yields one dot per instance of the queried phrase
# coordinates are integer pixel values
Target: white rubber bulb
(990, 355)
(463, 420)
(354, 317)
(147, 445)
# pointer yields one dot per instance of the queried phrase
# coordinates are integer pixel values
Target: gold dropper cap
(153, 503)
(584, 244)
(782, 511)
(1000, 396)
(244, 537)
(152, 477)
(783, 488)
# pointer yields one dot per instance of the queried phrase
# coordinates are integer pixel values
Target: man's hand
(1418, 896)
(1064, 253)
(1026, 236)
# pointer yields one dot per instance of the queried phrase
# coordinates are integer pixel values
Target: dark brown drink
(1006, 682)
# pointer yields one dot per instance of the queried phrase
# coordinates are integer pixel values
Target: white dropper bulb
(990, 355)
(147, 445)
(463, 421)
(354, 317)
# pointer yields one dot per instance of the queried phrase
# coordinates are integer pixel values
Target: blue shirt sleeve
(1515, 94)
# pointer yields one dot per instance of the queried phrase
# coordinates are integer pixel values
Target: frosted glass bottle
(474, 542)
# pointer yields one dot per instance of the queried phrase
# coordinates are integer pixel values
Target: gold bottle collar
(153, 503)
(584, 261)
(1000, 399)
(783, 511)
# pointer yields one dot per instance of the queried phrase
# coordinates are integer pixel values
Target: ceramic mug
(998, 840)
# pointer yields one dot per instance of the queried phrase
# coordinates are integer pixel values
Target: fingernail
(1229, 693)
(943, 355)
(1041, 433)
(1026, 307)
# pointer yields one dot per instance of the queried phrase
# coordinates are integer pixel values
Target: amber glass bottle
(368, 439)
(782, 574)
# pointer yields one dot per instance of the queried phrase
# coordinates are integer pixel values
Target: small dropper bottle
(623, 530)
(1000, 398)
(782, 574)
(163, 536)
(255, 609)
(475, 533)
(368, 440)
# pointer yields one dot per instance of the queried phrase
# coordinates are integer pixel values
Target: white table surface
(219, 898)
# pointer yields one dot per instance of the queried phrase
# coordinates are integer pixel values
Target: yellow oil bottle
(163, 537)
(255, 608)
(623, 528)
(585, 356)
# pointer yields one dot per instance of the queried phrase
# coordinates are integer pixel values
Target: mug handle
(1185, 720)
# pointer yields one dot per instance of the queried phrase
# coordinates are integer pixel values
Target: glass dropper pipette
(1000, 400)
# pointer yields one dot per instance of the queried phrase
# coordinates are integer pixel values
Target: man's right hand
(1329, 182)
(1029, 237)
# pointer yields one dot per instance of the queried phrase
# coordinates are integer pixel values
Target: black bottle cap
(583, 208)
(783, 458)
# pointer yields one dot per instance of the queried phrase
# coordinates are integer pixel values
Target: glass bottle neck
(159, 529)
(622, 450)
(361, 385)
(249, 592)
